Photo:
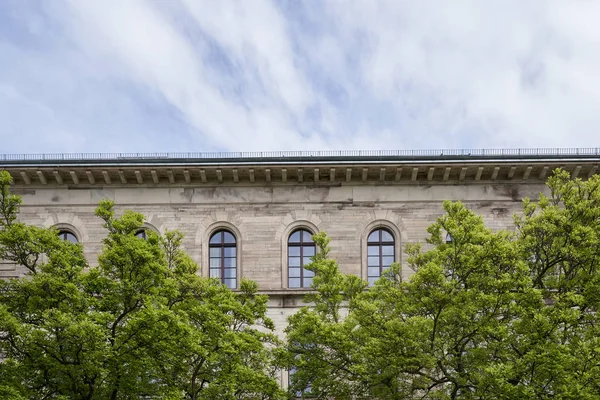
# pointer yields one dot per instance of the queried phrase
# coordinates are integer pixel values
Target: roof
(325, 167)
(320, 156)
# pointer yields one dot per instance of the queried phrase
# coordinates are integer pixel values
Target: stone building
(251, 214)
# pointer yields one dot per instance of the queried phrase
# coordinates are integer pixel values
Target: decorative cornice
(298, 167)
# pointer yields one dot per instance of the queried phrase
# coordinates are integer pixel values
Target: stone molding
(379, 223)
(318, 173)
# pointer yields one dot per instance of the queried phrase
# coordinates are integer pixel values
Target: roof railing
(530, 152)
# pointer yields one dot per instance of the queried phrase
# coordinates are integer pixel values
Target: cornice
(300, 168)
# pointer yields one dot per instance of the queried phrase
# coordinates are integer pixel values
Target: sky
(251, 75)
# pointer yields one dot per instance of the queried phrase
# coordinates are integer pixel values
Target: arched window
(380, 253)
(68, 235)
(223, 258)
(142, 234)
(301, 248)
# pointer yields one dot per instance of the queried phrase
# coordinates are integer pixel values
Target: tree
(487, 315)
(141, 323)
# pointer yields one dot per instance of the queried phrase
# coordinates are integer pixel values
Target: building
(252, 214)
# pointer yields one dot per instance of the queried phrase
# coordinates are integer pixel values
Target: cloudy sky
(225, 75)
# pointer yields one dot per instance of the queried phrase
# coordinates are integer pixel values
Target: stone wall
(262, 217)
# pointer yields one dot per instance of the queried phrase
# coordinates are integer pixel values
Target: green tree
(486, 315)
(141, 323)
(556, 346)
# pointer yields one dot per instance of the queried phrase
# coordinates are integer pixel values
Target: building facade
(252, 214)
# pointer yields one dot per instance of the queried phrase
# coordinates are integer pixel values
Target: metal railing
(531, 152)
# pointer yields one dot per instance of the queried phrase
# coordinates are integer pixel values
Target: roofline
(303, 157)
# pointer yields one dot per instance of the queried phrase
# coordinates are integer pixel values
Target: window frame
(222, 245)
(379, 244)
(301, 245)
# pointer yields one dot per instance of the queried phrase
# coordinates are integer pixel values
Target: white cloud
(254, 34)
(515, 70)
(258, 75)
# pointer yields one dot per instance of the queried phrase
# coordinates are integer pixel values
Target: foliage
(488, 315)
(139, 324)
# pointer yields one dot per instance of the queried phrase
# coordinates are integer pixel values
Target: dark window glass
(67, 235)
(301, 248)
(448, 238)
(142, 234)
(223, 258)
(380, 253)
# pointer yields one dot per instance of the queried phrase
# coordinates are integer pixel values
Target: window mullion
(222, 266)
(302, 259)
(380, 253)
(223, 257)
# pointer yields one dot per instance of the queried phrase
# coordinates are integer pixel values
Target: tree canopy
(486, 315)
(140, 324)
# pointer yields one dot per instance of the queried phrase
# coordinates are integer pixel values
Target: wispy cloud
(188, 75)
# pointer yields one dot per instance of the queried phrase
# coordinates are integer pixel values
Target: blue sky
(195, 75)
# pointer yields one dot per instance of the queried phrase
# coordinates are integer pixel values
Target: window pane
(230, 283)
(230, 251)
(71, 238)
(141, 234)
(308, 250)
(294, 251)
(374, 236)
(308, 274)
(373, 261)
(306, 260)
(371, 281)
(294, 282)
(229, 262)
(215, 273)
(228, 237)
(216, 238)
(373, 250)
(386, 236)
(307, 282)
(387, 250)
(306, 237)
(229, 272)
(215, 262)
(215, 252)
(387, 261)
(295, 237)
(294, 272)
(373, 271)
(293, 261)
